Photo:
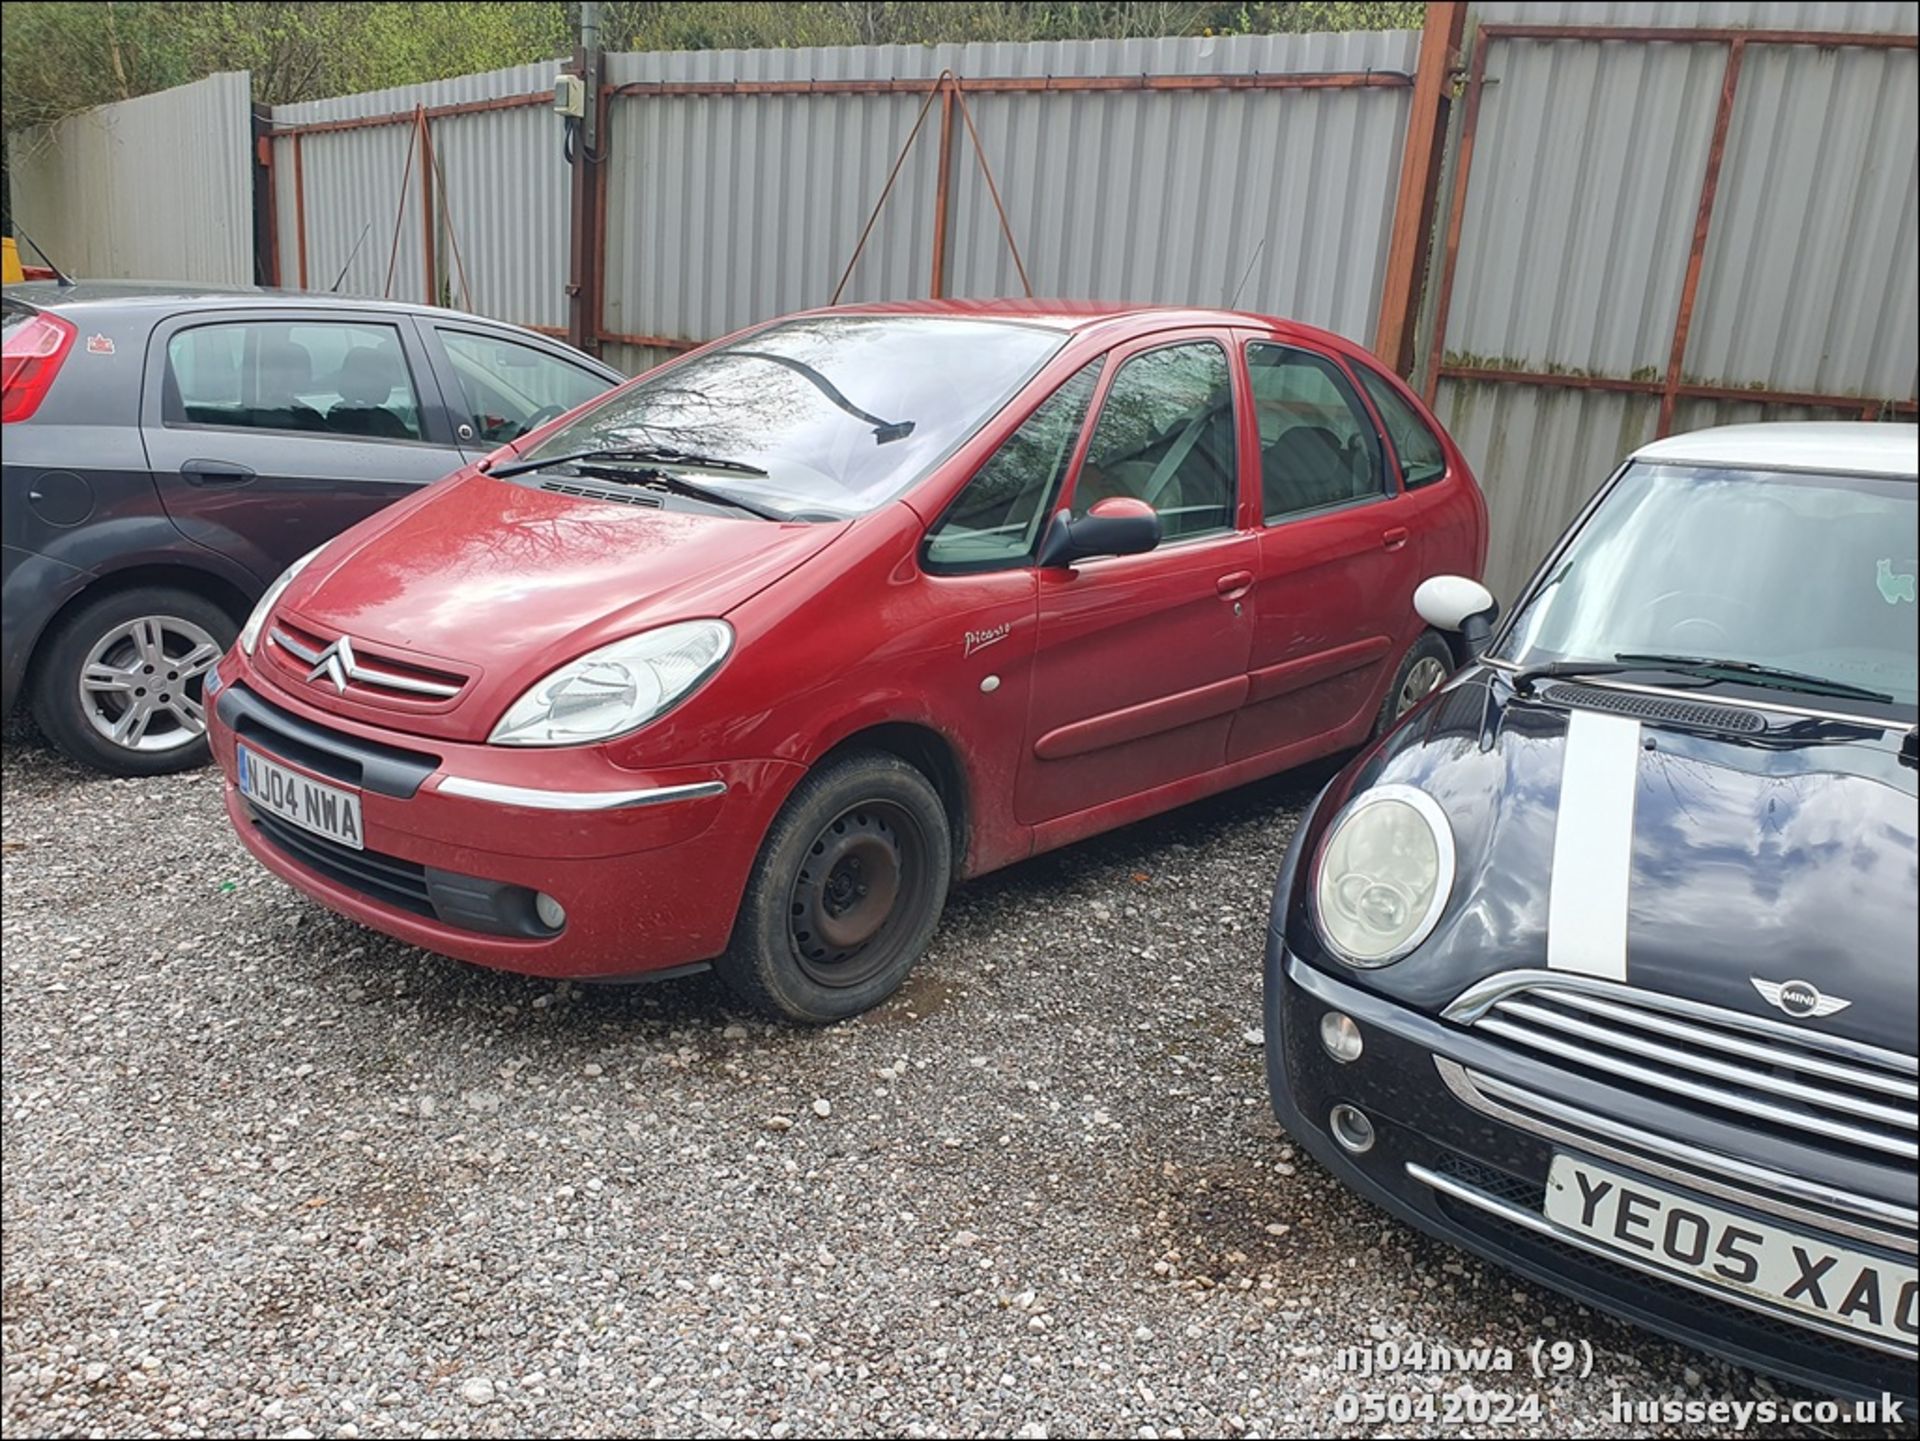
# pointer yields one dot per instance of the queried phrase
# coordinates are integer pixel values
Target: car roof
(1856, 447)
(1084, 316)
(138, 294)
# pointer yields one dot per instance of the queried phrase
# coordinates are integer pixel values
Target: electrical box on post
(570, 97)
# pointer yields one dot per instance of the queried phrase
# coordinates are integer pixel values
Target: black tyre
(846, 893)
(1425, 666)
(118, 686)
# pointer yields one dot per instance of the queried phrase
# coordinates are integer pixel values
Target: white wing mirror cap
(1448, 602)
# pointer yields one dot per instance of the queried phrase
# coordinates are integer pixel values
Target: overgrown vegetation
(57, 58)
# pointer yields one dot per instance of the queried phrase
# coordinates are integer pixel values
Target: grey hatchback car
(169, 451)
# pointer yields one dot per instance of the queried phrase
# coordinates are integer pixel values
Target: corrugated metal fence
(158, 186)
(1639, 245)
(1715, 220)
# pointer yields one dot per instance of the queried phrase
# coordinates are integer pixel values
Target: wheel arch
(203, 583)
(928, 751)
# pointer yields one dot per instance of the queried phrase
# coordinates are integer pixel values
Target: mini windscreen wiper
(658, 454)
(652, 479)
(1706, 667)
(1773, 675)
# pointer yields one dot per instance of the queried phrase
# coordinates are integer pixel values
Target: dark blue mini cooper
(1602, 963)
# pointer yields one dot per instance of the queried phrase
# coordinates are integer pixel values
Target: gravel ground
(266, 1172)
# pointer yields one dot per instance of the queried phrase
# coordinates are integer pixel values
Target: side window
(326, 378)
(994, 523)
(1422, 458)
(1317, 445)
(509, 388)
(1166, 436)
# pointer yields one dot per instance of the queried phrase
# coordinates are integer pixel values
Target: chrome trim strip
(1708, 1066)
(1731, 1101)
(1477, 999)
(1485, 1094)
(1733, 1045)
(1606, 682)
(1520, 1216)
(540, 800)
(293, 647)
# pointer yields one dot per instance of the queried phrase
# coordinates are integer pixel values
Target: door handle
(1235, 584)
(1395, 539)
(215, 472)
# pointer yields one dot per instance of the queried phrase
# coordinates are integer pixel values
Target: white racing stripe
(1593, 846)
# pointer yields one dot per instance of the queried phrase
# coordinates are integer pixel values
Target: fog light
(1340, 1036)
(552, 914)
(1351, 1128)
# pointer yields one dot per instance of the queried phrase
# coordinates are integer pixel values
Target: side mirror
(1454, 603)
(1118, 525)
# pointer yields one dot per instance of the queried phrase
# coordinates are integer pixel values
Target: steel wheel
(1422, 677)
(141, 685)
(861, 889)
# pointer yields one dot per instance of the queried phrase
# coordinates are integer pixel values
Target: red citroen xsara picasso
(745, 662)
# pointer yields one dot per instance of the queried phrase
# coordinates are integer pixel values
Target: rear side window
(509, 388)
(318, 377)
(1422, 458)
(1318, 446)
(994, 523)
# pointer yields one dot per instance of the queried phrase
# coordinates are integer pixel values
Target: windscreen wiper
(1780, 676)
(658, 454)
(652, 479)
(885, 432)
(1705, 667)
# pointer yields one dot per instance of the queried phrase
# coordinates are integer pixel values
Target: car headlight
(1384, 875)
(617, 688)
(250, 632)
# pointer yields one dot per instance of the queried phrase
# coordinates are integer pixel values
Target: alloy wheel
(1424, 676)
(142, 685)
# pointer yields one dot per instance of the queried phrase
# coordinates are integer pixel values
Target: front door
(269, 434)
(1141, 660)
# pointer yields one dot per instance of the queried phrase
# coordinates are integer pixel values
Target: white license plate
(1791, 1270)
(300, 800)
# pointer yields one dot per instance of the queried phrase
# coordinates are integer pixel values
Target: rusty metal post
(1456, 213)
(1419, 183)
(942, 197)
(426, 211)
(300, 211)
(583, 307)
(1703, 221)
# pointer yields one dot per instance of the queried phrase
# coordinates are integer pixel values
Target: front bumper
(459, 838)
(1451, 1160)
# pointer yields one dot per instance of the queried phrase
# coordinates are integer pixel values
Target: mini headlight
(250, 632)
(617, 688)
(1384, 875)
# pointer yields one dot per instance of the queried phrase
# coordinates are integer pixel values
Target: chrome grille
(374, 675)
(1745, 1069)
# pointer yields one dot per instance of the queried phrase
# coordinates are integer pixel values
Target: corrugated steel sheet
(501, 179)
(1170, 197)
(159, 187)
(1587, 169)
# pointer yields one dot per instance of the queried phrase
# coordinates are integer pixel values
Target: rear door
(499, 385)
(1141, 660)
(1338, 557)
(269, 432)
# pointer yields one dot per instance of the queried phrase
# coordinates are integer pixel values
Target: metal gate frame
(1672, 388)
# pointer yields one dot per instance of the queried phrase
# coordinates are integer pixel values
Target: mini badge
(99, 345)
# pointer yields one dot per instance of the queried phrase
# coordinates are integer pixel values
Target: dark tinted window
(1422, 459)
(325, 377)
(509, 388)
(842, 412)
(1317, 445)
(1166, 436)
(996, 520)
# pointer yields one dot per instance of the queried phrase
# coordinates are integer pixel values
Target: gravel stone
(299, 1179)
